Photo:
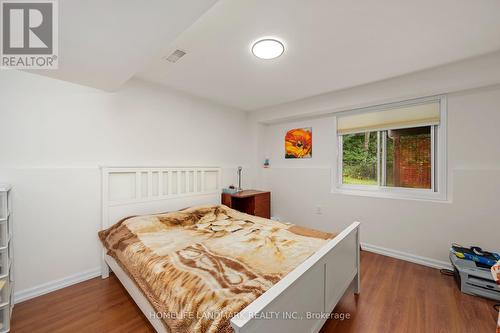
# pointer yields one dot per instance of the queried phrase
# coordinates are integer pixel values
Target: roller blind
(402, 117)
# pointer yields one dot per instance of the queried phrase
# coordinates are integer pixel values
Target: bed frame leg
(357, 284)
(104, 266)
(357, 278)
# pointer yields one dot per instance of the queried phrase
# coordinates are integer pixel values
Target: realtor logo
(29, 34)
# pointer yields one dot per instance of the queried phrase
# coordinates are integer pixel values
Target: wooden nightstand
(252, 202)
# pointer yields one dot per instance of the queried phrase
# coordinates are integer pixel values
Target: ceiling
(330, 45)
(102, 44)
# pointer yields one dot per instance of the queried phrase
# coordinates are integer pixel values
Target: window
(394, 151)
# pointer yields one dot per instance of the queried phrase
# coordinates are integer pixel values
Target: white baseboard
(406, 256)
(24, 295)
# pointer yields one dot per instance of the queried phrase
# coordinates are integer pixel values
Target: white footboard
(301, 301)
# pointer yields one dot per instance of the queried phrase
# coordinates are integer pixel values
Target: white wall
(420, 228)
(53, 137)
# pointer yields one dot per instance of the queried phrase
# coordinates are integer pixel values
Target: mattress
(200, 266)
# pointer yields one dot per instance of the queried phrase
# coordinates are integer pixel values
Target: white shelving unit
(6, 259)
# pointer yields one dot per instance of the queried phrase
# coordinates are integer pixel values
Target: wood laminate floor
(396, 296)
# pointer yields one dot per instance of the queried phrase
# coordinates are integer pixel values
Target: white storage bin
(4, 233)
(5, 318)
(4, 205)
(5, 291)
(6, 255)
(10, 271)
(11, 295)
(4, 262)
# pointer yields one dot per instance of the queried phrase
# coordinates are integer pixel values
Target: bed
(291, 287)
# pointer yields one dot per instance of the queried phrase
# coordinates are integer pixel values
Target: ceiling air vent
(176, 55)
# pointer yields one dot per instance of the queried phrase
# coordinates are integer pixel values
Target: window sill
(391, 193)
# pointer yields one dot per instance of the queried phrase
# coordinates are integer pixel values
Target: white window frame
(439, 180)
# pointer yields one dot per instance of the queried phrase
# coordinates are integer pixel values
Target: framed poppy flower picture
(298, 143)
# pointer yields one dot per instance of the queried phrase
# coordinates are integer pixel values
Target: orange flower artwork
(298, 143)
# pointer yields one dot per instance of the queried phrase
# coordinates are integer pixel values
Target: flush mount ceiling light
(268, 48)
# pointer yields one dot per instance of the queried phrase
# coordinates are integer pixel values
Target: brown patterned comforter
(200, 266)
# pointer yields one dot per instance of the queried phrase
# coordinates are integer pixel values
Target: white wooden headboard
(128, 191)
